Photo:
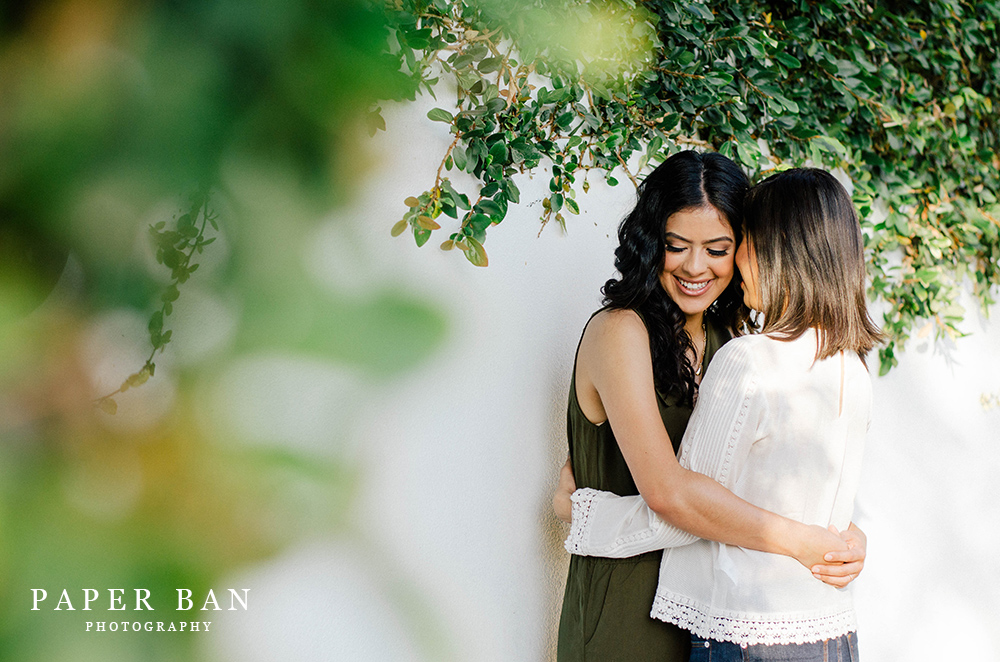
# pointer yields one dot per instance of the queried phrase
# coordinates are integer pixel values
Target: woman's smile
(694, 288)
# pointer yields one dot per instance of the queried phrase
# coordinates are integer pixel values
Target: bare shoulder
(614, 336)
(615, 371)
(615, 327)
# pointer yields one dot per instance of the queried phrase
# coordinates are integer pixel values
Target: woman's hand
(815, 545)
(843, 567)
(561, 501)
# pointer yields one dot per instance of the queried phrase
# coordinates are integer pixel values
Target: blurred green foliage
(152, 148)
(902, 96)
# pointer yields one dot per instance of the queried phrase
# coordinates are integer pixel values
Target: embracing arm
(616, 360)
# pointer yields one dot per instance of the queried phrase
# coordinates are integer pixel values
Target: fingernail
(828, 557)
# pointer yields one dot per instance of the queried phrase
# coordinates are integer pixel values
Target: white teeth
(694, 287)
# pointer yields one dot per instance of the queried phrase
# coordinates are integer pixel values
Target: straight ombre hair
(810, 256)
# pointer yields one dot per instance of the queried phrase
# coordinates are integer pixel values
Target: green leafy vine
(175, 248)
(900, 97)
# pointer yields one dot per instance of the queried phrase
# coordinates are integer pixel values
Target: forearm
(608, 525)
(700, 505)
(604, 524)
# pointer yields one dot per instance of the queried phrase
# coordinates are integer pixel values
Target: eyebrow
(674, 235)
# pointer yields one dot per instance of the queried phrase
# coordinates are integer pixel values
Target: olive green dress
(605, 614)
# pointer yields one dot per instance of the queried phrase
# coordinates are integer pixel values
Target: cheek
(725, 269)
(741, 259)
(671, 262)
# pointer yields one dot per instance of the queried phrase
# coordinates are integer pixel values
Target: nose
(696, 262)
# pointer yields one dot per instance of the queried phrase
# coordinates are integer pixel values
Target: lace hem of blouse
(746, 630)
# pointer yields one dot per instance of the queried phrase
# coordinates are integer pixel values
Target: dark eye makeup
(714, 252)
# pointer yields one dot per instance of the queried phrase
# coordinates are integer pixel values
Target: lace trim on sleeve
(746, 630)
(583, 500)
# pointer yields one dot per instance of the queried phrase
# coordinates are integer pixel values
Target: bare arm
(615, 362)
(562, 500)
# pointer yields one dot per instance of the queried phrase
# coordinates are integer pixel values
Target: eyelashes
(711, 251)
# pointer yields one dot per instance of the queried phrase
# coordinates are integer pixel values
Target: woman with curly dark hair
(676, 301)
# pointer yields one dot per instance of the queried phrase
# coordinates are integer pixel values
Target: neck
(693, 324)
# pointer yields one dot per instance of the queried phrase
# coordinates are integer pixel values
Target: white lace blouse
(782, 431)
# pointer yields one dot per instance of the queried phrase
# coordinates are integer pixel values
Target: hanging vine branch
(175, 249)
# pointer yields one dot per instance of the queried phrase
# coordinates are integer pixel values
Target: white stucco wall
(460, 456)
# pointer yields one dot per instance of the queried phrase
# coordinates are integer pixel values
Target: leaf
(475, 253)
(440, 115)
(411, 202)
(428, 223)
(556, 201)
(479, 222)
(375, 122)
(746, 158)
(458, 154)
(789, 61)
(447, 244)
(499, 152)
(847, 68)
(830, 144)
(670, 121)
(719, 78)
(137, 378)
(399, 227)
(495, 105)
(156, 322)
(108, 406)
(489, 65)
(491, 208)
(171, 258)
(702, 11)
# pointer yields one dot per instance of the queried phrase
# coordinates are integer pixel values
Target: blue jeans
(841, 649)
